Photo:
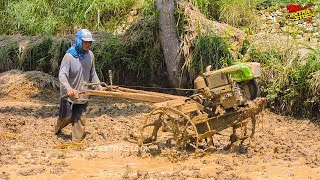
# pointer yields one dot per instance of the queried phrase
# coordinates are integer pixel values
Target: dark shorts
(68, 110)
(74, 114)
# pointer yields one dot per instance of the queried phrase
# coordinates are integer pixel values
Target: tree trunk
(169, 39)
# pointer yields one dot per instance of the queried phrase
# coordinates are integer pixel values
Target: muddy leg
(61, 123)
(65, 114)
(79, 121)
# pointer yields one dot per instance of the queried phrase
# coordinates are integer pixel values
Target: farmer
(77, 68)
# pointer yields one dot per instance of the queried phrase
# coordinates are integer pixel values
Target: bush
(210, 50)
(291, 84)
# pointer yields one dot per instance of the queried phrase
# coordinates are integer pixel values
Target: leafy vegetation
(31, 17)
(210, 50)
(291, 84)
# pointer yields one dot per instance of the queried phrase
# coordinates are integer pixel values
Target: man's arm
(64, 76)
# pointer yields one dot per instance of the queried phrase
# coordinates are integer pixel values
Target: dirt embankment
(284, 148)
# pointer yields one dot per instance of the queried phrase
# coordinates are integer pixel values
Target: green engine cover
(243, 73)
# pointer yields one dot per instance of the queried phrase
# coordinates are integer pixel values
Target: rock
(263, 26)
(301, 21)
(316, 34)
(273, 31)
(309, 29)
(280, 13)
(307, 35)
(300, 25)
(299, 36)
(263, 18)
(278, 19)
(313, 40)
(292, 30)
(300, 32)
(276, 26)
(270, 21)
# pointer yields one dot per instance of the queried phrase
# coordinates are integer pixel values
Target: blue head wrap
(76, 49)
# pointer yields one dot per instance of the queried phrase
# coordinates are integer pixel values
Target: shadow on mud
(39, 112)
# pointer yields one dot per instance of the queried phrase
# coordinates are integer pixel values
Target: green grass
(31, 17)
(210, 50)
(291, 84)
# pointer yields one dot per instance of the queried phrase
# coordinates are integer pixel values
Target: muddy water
(284, 148)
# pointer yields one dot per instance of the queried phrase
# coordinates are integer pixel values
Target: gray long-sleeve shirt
(75, 72)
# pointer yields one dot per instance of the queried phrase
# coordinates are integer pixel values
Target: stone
(300, 25)
(263, 26)
(275, 25)
(307, 35)
(292, 30)
(313, 40)
(316, 34)
(309, 29)
(306, 39)
(300, 32)
(280, 13)
(263, 18)
(270, 21)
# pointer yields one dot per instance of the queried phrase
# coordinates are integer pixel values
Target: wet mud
(283, 147)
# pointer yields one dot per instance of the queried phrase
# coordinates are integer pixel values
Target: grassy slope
(290, 81)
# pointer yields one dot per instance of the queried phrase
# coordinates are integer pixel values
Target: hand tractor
(224, 98)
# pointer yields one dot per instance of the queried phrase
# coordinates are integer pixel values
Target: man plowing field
(77, 68)
(225, 98)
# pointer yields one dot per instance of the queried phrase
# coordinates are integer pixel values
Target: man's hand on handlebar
(72, 93)
(102, 88)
